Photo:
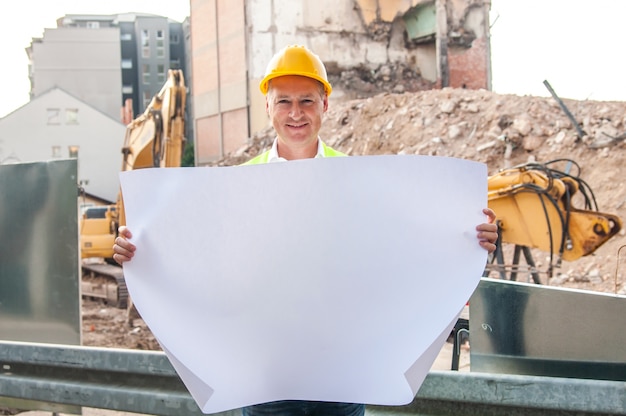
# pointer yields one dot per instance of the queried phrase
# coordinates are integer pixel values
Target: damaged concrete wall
(363, 43)
(368, 46)
(368, 43)
(468, 45)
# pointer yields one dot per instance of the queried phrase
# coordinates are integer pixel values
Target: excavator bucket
(534, 205)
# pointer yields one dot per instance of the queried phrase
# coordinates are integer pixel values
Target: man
(296, 88)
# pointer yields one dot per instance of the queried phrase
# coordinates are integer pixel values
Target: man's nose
(295, 111)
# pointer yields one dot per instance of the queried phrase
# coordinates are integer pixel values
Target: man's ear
(325, 102)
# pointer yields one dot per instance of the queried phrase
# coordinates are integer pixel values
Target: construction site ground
(498, 130)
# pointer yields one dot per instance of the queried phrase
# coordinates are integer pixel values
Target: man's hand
(123, 249)
(488, 232)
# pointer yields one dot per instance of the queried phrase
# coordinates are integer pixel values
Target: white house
(56, 125)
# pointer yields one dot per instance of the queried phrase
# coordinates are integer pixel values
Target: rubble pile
(473, 124)
(365, 80)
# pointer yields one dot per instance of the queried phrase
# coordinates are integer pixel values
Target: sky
(27, 19)
(573, 44)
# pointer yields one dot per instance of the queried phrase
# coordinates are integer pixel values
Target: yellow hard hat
(296, 60)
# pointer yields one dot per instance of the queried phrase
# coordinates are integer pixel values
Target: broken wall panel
(386, 10)
(421, 22)
(468, 67)
(468, 57)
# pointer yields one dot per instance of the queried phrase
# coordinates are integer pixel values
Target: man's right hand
(123, 249)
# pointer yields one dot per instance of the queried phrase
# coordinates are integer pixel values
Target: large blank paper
(333, 279)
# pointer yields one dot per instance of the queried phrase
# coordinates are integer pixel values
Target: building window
(145, 73)
(161, 73)
(174, 38)
(56, 152)
(145, 38)
(160, 44)
(160, 49)
(73, 150)
(126, 36)
(93, 25)
(127, 89)
(54, 116)
(175, 64)
(71, 116)
(145, 43)
(127, 63)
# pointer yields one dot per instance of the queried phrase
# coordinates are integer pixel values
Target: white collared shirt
(273, 154)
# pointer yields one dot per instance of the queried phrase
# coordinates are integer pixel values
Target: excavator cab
(97, 233)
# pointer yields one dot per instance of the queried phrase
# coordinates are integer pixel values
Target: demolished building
(368, 46)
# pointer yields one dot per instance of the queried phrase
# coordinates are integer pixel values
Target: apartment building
(90, 76)
(109, 61)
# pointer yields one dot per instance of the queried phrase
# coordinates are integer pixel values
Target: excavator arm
(154, 139)
(536, 208)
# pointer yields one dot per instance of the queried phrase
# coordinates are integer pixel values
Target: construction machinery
(540, 207)
(536, 205)
(154, 139)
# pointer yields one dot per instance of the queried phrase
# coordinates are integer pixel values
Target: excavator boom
(154, 139)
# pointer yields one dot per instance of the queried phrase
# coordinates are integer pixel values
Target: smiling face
(296, 105)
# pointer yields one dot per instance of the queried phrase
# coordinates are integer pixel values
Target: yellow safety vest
(263, 157)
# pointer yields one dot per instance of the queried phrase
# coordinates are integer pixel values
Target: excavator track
(106, 282)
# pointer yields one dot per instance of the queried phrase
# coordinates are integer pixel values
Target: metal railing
(145, 382)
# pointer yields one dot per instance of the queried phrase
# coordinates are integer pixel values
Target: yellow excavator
(536, 205)
(542, 207)
(154, 139)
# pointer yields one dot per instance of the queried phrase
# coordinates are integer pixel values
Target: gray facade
(116, 63)
(81, 61)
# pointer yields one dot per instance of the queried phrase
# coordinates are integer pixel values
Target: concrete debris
(478, 119)
(368, 80)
